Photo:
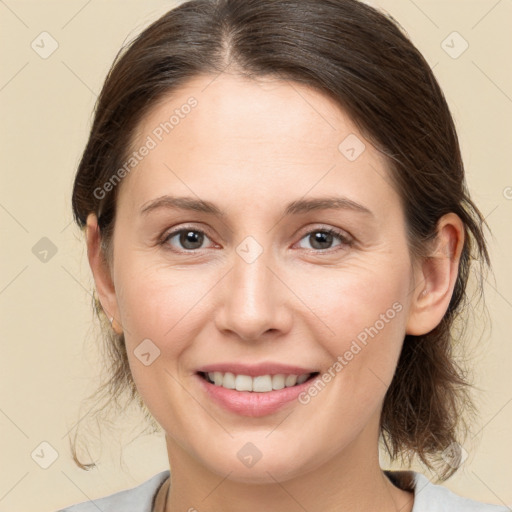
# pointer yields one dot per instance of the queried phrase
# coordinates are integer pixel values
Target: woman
(280, 235)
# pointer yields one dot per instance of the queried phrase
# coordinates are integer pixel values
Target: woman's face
(261, 288)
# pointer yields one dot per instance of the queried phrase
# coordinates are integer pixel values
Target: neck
(348, 482)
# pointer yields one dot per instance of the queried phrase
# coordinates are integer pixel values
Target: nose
(254, 303)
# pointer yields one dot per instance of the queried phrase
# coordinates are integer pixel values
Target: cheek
(363, 313)
(161, 305)
(155, 302)
(351, 300)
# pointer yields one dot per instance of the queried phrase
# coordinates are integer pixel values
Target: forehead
(233, 106)
(266, 136)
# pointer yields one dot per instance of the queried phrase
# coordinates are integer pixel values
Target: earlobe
(436, 276)
(101, 273)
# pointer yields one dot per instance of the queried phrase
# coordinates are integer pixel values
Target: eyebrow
(297, 207)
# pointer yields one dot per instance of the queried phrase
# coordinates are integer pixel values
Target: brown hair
(362, 59)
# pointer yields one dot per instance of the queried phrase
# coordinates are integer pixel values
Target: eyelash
(345, 240)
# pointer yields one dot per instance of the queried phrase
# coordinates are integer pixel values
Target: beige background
(49, 361)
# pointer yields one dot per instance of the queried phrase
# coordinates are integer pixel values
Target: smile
(254, 390)
(257, 384)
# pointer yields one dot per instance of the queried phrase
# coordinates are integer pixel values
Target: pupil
(190, 237)
(319, 238)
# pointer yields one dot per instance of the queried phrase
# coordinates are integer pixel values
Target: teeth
(228, 381)
(291, 380)
(259, 384)
(278, 381)
(243, 383)
(302, 378)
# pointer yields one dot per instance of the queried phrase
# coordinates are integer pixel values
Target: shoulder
(429, 497)
(137, 499)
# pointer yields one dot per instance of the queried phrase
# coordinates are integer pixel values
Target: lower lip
(249, 403)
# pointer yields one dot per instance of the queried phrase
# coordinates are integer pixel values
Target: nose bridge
(253, 302)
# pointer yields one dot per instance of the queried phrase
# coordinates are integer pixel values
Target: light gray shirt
(428, 497)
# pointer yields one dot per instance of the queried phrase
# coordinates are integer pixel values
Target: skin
(251, 147)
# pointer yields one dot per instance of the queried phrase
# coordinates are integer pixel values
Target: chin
(262, 473)
(251, 466)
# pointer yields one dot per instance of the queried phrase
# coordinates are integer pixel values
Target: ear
(435, 277)
(101, 273)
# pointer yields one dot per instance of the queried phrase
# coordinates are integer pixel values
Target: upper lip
(253, 370)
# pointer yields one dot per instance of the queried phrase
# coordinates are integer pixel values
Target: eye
(322, 239)
(190, 239)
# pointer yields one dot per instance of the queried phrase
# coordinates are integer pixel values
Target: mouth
(256, 384)
(255, 395)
